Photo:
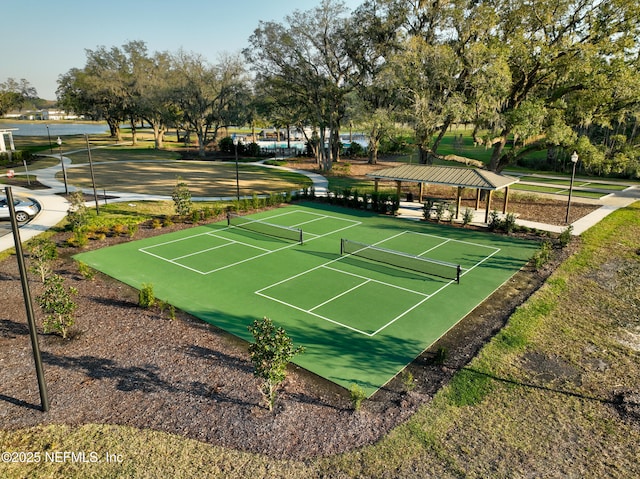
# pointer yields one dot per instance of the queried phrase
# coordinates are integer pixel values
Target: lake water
(55, 129)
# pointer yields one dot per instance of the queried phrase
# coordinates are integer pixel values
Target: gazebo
(453, 176)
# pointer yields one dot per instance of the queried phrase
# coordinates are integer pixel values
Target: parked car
(25, 208)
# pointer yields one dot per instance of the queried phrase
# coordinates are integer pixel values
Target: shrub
(408, 381)
(440, 356)
(79, 239)
(451, 209)
(181, 198)
(86, 271)
(543, 255)
(440, 209)
(270, 354)
(565, 237)
(509, 223)
(132, 229)
(357, 396)
(494, 221)
(253, 149)
(426, 209)
(118, 229)
(58, 306)
(156, 224)
(146, 297)
(162, 305)
(43, 252)
(467, 216)
(77, 215)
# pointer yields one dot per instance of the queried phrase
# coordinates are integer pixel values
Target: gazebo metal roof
(446, 175)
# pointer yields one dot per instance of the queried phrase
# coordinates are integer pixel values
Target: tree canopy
(552, 75)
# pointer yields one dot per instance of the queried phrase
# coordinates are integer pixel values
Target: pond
(42, 128)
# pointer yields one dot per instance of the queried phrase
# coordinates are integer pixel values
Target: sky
(41, 40)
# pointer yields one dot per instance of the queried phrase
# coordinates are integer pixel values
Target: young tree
(77, 215)
(56, 302)
(43, 252)
(270, 355)
(182, 198)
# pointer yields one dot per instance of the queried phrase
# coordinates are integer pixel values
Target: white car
(25, 208)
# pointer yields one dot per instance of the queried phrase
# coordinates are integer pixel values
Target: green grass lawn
(556, 191)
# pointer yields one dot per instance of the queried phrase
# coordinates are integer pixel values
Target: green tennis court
(361, 318)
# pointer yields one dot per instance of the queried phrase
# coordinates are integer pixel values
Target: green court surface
(360, 321)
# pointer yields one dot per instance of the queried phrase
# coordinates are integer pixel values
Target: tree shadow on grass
(611, 401)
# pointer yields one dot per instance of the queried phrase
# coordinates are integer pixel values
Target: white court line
(367, 280)
(329, 320)
(198, 252)
(449, 239)
(341, 294)
(232, 241)
(411, 309)
(420, 293)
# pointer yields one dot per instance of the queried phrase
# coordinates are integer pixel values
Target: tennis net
(262, 227)
(420, 264)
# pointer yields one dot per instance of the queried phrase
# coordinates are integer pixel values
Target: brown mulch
(136, 367)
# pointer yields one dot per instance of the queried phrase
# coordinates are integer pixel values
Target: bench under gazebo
(454, 176)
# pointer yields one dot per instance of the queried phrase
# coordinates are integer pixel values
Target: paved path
(55, 206)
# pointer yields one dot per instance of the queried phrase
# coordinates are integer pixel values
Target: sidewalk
(608, 204)
(55, 206)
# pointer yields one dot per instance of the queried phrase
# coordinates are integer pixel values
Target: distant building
(44, 115)
(3, 144)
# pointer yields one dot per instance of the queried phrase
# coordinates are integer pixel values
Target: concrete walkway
(608, 204)
(55, 206)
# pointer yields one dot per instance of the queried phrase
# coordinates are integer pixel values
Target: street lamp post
(49, 135)
(574, 160)
(235, 145)
(64, 172)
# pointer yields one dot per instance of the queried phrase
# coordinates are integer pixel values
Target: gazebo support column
(398, 188)
(458, 201)
(478, 199)
(421, 192)
(506, 200)
(376, 182)
(486, 215)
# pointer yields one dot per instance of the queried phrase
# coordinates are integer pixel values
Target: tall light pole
(93, 179)
(64, 172)
(574, 160)
(235, 145)
(49, 135)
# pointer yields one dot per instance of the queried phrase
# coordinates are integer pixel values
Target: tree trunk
(114, 128)
(374, 145)
(134, 133)
(498, 148)
(158, 135)
(443, 130)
